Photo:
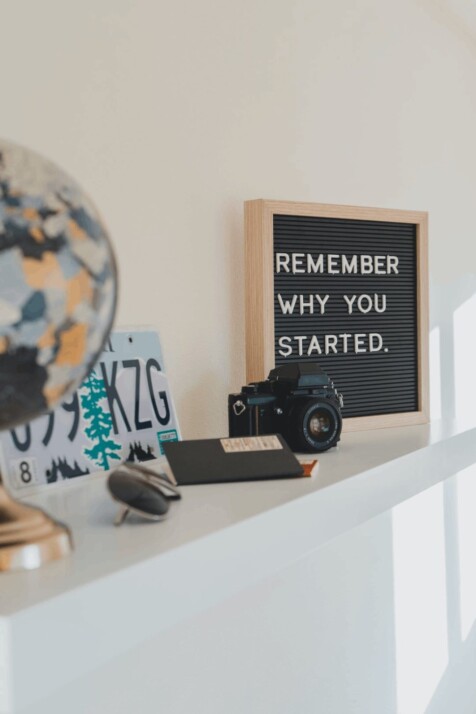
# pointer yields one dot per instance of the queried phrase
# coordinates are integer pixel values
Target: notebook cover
(226, 460)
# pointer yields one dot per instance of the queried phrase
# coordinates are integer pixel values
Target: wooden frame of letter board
(259, 309)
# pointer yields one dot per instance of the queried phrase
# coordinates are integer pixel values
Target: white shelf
(123, 586)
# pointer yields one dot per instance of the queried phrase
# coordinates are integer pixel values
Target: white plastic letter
(315, 266)
(322, 302)
(285, 346)
(332, 268)
(392, 264)
(383, 303)
(287, 306)
(331, 343)
(282, 262)
(349, 266)
(364, 303)
(379, 261)
(375, 342)
(298, 260)
(350, 302)
(366, 264)
(314, 346)
(358, 342)
(345, 342)
(309, 304)
(300, 339)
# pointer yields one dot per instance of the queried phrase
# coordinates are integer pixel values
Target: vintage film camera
(298, 400)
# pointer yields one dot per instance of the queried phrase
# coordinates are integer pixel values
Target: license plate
(123, 410)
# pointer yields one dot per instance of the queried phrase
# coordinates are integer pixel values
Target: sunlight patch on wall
(421, 629)
(466, 504)
(464, 322)
(435, 373)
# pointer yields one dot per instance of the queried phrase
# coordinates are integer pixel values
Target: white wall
(171, 114)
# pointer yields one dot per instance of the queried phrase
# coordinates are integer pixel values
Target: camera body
(298, 400)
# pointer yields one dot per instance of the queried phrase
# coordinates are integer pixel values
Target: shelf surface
(218, 540)
(100, 549)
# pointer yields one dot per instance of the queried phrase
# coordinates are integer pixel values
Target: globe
(57, 304)
(57, 285)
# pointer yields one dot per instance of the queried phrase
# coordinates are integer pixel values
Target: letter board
(346, 287)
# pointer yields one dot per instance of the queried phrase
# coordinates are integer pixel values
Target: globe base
(28, 537)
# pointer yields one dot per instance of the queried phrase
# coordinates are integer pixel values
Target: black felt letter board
(378, 382)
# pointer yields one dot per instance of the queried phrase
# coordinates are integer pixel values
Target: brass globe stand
(28, 537)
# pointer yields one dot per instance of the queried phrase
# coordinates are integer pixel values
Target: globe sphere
(57, 285)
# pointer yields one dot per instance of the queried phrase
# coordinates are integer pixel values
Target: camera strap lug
(239, 408)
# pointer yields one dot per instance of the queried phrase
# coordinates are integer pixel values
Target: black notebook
(248, 458)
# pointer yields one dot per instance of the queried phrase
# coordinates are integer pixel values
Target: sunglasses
(141, 490)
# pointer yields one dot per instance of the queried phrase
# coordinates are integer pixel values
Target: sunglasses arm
(161, 480)
(122, 514)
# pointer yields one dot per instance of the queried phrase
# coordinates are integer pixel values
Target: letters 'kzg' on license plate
(122, 410)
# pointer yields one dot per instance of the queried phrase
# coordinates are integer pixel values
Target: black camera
(298, 401)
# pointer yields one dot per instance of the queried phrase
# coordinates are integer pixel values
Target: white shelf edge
(98, 621)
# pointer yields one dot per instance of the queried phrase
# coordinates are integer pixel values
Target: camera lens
(319, 425)
(313, 425)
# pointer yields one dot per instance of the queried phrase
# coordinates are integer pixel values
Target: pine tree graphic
(100, 422)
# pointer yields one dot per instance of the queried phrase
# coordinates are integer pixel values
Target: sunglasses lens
(137, 494)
